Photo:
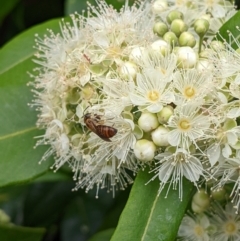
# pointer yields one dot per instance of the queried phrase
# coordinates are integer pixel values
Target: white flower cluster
(211, 221)
(117, 91)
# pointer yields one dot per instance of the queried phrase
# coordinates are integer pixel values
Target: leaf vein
(150, 217)
(17, 133)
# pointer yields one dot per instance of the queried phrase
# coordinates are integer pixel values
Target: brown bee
(94, 123)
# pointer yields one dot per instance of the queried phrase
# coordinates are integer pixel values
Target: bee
(95, 124)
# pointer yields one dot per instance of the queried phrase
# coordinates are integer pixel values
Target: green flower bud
(174, 15)
(187, 39)
(178, 26)
(165, 114)
(200, 201)
(160, 28)
(170, 38)
(219, 195)
(201, 26)
(98, 69)
(144, 150)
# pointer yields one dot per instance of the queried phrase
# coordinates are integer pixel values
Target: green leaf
(72, 6)
(19, 161)
(230, 27)
(103, 235)
(17, 233)
(148, 216)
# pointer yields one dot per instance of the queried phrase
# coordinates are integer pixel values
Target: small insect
(95, 124)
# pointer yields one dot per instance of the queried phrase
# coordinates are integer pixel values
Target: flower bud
(201, 26)
(204, 64)
(200, 201)
(217, 45)
(137, 53)
(87, 92)
(144, 150)
(160, 136)
(206, 17)
(98, 69)
(187, 39)
(165, 114)
(178, 26)
(159, 6)
(160, 28)
(161, 46)
(174, 15)
(219, 195)
(170, 38)
(148, 121)
(186, 57)
(128, 69)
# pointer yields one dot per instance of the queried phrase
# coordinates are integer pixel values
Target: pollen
(230, 228)
(189, 92)
(184, 125)
(153, 95)
(198, 230)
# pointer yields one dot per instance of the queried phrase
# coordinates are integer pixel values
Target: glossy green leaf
(149, 217)
(19, 161)
(103, 235)
(17, 233)
(230, 27)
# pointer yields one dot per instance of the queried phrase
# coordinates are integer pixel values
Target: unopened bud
(160, 136)
(161, 46)
(217, 45)
(219, 195)
(164, 115)
(186, 57)
(128, 69)
(174, 15)
(178, 26)
(160, 28)
(148, 121)
(159, 6)
(201, 26)
(200, 201)
(187, 39)
(170, 38)
(144, 150)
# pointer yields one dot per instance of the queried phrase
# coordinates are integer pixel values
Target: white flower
(176, 164)
(151, 92)
(192, 86)
(194, 228)
(218, 8)
(165, 64)
(104, 174)
(188, 125)
(227, 223)
(228, 171)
